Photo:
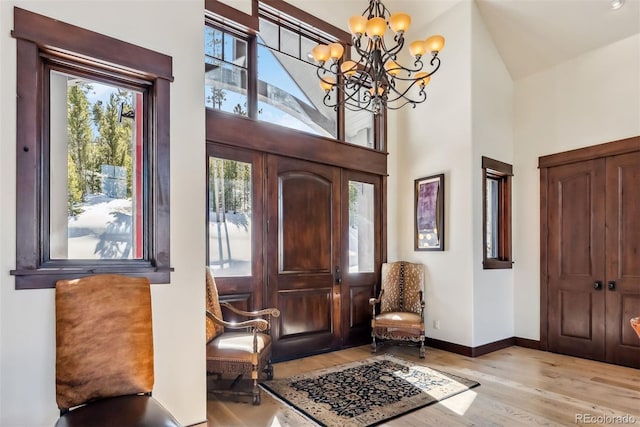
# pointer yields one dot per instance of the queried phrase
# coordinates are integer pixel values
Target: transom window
(226, 70)
(286, 95)
(270, 75)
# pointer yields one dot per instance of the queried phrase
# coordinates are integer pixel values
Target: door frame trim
(592, 152)
(622, 146)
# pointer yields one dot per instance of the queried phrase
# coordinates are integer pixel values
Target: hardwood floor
(518, 386)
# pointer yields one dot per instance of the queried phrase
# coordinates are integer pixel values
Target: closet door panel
(575, 219)
(623, 258)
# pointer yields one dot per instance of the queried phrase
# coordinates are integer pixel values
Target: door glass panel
(361, 227)
(230, 220)
(96, 169)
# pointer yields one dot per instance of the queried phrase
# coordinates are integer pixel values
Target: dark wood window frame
(500, 172)
(39, 40)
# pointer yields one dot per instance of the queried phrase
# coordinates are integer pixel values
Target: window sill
(496, 264)
(47, 277)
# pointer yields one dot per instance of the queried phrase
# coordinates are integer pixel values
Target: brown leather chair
(104, 354)
(236, 354)
(401, 305)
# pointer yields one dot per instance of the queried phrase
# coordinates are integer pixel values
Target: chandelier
(376, 80)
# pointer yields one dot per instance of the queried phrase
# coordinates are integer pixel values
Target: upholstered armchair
(245, 352)
(104, 353)
(401, 305)
(635, 324)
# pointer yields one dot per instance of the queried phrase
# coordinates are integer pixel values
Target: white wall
(27, 339)
(592, 99)
(468, 114)
(492, 135)
(434, 138)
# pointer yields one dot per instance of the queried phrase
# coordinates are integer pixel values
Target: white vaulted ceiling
(531, 35)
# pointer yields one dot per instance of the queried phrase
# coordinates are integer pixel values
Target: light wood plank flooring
(518, 386)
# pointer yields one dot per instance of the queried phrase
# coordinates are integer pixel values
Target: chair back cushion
(104, 338)
(402, 284)
(213, 305)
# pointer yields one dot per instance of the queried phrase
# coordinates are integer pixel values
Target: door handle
(611, 285)
(338, 276)
(597, 285)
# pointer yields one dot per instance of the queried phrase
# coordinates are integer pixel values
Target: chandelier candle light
(370, 82)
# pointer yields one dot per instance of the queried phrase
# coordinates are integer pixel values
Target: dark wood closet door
(576, 288)
(303, 229)
(623, 258)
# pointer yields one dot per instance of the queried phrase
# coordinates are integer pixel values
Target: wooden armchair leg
(422, 352)
(256, 392)
(374, 348)
(269, 370)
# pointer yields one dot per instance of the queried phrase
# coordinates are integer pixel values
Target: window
(234, 213)
(362, 234)
(286, 95)
(496, 213)
(262, 68)
(230, 220)
(93, 155)
(226, 70)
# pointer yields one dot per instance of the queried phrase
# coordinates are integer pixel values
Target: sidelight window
(230, 217)
(361, 227)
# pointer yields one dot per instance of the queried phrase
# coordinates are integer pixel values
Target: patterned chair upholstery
(247, 352)
(401, 305)
(635, 324)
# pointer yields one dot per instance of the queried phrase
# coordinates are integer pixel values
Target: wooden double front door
(591, 256)
(322, 254)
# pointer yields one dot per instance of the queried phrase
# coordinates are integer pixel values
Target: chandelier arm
(355, 93)
(403, 94)
(326, 101)
(409, 71)
(393, 52)
(321, 72)
(357, 44)
(413, 104)
(434, 60)
(370, 11)
(355, 104)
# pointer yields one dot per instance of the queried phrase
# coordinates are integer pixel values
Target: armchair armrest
(258, 324)
(374, 301)
(267, 311)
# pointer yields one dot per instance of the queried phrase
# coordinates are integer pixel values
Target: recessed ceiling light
(616, 4)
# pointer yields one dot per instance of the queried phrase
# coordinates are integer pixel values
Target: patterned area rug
(367, 392)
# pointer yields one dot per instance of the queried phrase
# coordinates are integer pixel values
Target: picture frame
(429, 213)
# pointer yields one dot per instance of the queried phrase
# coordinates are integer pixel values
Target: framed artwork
(429, 213)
